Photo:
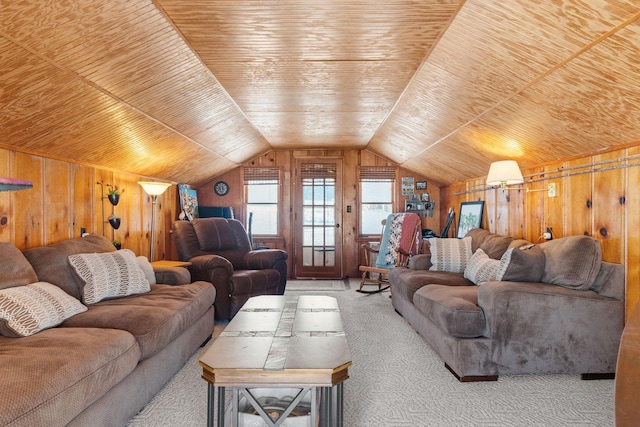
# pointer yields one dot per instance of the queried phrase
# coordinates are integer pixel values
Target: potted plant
(114, 221)
(113, 193)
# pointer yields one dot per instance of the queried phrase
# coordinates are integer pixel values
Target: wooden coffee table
(276, 342)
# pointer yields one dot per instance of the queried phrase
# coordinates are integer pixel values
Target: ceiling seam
(541, 76)
(195, 54)
(112, 96)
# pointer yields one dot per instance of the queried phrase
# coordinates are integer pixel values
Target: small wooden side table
(168, 263)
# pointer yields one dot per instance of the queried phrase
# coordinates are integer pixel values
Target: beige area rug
(317, 285)
(397, 380)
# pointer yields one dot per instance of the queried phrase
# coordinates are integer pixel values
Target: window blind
(319, 170)
(270, 174)
(377, 173)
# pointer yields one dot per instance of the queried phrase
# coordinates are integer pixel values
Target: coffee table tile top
(296, 332)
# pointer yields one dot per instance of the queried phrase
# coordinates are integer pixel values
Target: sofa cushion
(15, 269)
(454, 309)
(109, 275)
(406, 281)
(155, 318)
(494, 245)
(27, 310)
(481, 268)
(50, 377)
(523, 264)
(450, 254)
(572, 262)
(51, 262)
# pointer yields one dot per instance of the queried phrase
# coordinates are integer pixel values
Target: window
(262, 190)
(376, 197)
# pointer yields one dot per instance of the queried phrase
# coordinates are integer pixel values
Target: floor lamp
(154, 189)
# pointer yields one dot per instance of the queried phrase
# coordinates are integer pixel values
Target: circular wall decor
(221, 188)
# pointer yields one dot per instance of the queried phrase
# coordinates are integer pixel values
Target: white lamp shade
(154, 188)
(504, 172)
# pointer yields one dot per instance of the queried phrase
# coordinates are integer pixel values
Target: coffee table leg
(220, 405)
(339, 402)
(212, 403)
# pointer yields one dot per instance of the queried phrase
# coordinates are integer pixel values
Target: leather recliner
(219, 252)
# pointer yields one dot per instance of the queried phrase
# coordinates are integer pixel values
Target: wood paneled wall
(596, 195)
(285, 159)
(67, 197)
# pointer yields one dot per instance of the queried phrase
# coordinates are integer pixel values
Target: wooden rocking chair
(401, 237)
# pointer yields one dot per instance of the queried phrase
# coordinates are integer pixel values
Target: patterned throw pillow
(26, 310)
(481, 268)
(450, 255)
(109, 275)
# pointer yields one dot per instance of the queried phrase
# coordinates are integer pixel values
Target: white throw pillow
(481, 268)
(27, 310)
(450, 255)
(109, 275)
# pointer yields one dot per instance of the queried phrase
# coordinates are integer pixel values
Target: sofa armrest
(264, 258)
(420, 262)
(172, 275)
(551, 325)
(205, 263)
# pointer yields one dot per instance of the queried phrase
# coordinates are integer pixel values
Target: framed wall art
(470, 217)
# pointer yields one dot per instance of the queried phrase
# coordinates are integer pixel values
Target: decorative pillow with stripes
(27, 310)
(109, 275)
(450, 255)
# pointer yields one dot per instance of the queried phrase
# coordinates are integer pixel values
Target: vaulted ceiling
(184, 90)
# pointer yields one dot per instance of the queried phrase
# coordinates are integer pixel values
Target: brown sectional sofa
(101, 366)
(556, 308)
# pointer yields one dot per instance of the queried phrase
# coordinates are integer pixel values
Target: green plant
(113, 189)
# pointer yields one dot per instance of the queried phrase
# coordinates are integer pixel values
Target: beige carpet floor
(317, 285)
(397, 380)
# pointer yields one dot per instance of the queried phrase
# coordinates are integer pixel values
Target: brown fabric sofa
(561, 311)
(220, 252)
(99, 367)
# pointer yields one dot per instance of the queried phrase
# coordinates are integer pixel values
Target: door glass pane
(307, 236)
(329, 215)
(329, 237)
(307, 216)
(330, 258)
(307, 253)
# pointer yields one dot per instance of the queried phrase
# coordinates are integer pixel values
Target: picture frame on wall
(421, 185)
(470, 217)
(188, 202)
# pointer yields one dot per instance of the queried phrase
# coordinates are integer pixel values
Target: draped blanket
(398, 233)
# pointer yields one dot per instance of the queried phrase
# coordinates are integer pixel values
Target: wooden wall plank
(5, 198)
(27, 209)
(578, 197)
(608, 211)
(632, 233)
(83, 184)
(58, 188)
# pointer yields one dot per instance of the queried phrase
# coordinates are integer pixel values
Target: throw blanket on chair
(398, 233)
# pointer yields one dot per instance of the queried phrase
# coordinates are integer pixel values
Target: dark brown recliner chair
(219, 252)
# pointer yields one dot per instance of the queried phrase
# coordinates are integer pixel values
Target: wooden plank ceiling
(184, 90)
